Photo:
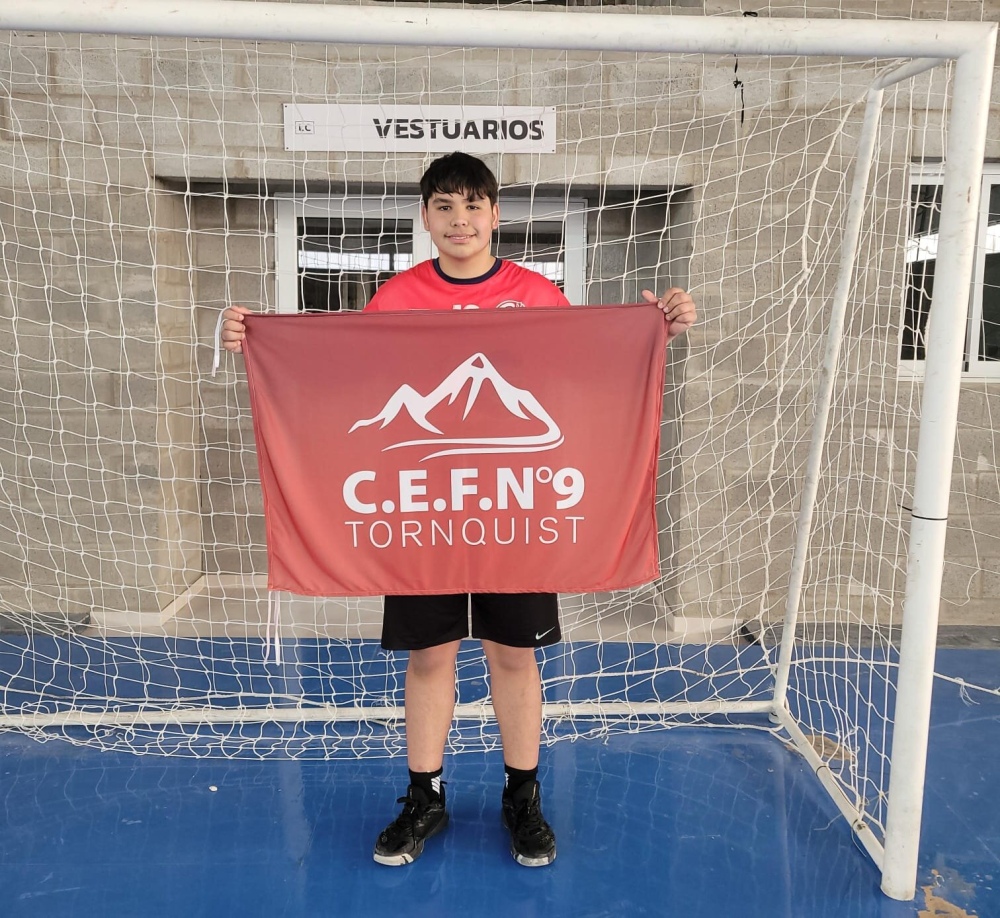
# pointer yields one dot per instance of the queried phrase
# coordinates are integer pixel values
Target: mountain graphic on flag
(471, 374)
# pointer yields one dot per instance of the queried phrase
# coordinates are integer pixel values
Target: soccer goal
(815, 184)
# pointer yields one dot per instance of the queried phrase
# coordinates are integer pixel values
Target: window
(538, 245)
(332, 253)
(342, 262)
(982, 350)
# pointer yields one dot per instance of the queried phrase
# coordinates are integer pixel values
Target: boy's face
(461, 227)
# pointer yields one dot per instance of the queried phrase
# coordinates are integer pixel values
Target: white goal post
(57, 253)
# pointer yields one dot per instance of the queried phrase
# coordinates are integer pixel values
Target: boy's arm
(678, 309)
(233, 330)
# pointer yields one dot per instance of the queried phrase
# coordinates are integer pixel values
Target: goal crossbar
(569, 31)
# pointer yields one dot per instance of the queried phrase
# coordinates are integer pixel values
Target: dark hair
(459, 173)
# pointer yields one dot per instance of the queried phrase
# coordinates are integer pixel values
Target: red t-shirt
(426, 286)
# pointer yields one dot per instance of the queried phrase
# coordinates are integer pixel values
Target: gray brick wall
(136, 207)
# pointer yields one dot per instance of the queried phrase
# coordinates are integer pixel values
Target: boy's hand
(678, 309)
(233, 330)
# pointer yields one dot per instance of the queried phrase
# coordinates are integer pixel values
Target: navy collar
(468, 280)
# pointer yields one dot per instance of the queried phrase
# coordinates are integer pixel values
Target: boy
(460, 211)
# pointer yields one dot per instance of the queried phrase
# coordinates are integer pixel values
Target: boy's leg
(431, 629)
(429, 704)
(516, 689)
(429, 708)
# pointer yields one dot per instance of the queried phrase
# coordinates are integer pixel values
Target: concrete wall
(136, 189)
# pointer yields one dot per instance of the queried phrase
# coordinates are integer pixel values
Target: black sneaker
(402, 841)
(532, 841)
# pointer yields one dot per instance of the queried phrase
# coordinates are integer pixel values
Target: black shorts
(512, 619)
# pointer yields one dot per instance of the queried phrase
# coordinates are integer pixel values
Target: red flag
(491, 451)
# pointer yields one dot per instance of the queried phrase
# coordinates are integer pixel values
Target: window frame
(973, 368)
(571, 212)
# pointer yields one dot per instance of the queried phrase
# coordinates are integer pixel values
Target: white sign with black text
(421, 128)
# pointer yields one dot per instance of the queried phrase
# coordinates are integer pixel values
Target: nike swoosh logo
(540, 634)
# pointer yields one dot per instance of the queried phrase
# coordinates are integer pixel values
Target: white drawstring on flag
(273, 641)
(217, 351)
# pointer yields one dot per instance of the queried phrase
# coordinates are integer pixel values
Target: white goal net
(148, 183)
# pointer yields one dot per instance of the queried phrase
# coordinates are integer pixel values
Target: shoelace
(411, 812)
(402, 825)
(410, 806)
(529, 819)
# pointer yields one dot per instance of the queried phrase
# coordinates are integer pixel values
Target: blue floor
(690, 822)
